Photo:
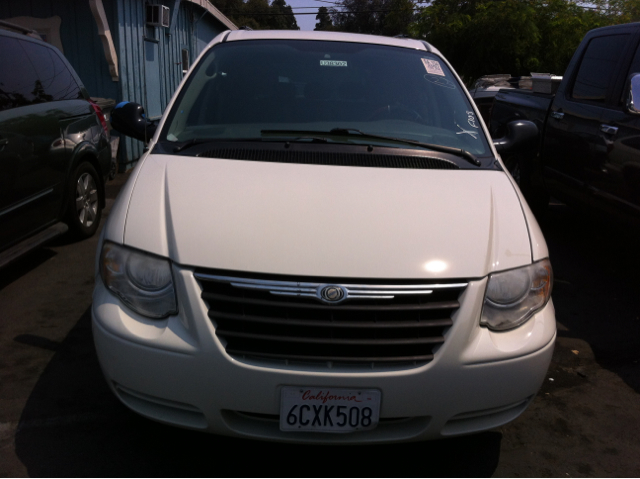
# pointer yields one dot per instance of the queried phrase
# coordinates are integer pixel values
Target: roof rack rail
(21, 29)
(427, 45)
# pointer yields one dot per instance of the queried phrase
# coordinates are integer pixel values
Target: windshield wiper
(354, 132)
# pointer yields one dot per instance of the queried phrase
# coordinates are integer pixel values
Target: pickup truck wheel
(83, 210)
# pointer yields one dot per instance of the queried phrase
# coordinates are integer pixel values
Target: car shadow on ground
(596, 266)
(23, 265)
(73, 426)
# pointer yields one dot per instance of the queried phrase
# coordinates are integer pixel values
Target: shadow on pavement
(73, 426)
(24, 264)
(596, 266)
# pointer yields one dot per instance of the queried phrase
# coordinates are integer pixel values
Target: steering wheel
(397, 111)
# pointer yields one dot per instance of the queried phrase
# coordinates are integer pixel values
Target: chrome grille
(292, 321)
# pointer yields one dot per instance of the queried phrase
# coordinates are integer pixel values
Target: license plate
(329, 409)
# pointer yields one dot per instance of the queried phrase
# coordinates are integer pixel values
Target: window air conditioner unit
(157, 15)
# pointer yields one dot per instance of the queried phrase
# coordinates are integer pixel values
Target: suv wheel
(83, 210)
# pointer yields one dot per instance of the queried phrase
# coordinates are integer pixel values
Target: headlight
(142, 281)
(512, 297)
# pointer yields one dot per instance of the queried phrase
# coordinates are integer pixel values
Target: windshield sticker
(471, 119)
(433, 67)
(333, 63)
(473, 134)
(440, 81)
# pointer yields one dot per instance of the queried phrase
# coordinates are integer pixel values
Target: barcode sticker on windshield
(333, 63)
(433, 67)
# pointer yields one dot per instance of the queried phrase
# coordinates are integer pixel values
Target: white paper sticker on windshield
(433, 67)
(333, 63)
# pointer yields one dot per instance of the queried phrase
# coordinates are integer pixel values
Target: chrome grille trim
(289, 322)
(313, 290)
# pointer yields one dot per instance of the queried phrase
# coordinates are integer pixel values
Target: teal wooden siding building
(117, 50)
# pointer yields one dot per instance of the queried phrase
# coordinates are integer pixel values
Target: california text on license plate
(329, 409)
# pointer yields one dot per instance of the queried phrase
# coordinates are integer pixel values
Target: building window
(185, 61)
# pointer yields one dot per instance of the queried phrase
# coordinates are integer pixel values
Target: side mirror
(634, 92)
(519, 134)
(129, 119)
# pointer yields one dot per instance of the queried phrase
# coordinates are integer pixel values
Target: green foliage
(259, 14)
(378, 17)
(286, 20)
(324, 20)
(482, 37)
(620, 11)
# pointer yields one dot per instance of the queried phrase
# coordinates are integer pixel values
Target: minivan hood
(329, 221)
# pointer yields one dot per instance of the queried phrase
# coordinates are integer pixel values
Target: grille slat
(339, 307)
(331, 341)
(329, 324)
(403, 328)
(345, 359)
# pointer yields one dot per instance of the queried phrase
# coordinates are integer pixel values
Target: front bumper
(176, 371)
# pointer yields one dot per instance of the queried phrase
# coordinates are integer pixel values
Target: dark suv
(54, 148)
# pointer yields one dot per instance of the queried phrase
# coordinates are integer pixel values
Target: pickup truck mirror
(634, 92)
(519, 134)
(129, 119)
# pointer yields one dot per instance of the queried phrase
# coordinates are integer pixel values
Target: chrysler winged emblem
(332, 294)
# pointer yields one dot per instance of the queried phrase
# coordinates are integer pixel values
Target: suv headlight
(142, 281)
(512, 297)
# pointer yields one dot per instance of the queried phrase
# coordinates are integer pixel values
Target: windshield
(240, 89)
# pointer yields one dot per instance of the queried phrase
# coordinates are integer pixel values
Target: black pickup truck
(587, 148)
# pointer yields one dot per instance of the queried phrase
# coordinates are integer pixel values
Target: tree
(324, 20)
(285, 19)
(378, 17)
(259, 14)
(620, 11)
(562, 25)
(481, 37)
(401, 14)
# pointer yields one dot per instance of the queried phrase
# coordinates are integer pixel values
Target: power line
(337, 12)
(244, 14)
(348, 12)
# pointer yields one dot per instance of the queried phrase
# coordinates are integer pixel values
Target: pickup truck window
(597, 67)
(635, 65)
(241, 89)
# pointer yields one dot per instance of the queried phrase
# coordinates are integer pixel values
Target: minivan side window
(598, 65)
(56, 81)
(31, 74)
(18, 78)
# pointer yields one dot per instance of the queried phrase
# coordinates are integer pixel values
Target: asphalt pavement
(58, 418)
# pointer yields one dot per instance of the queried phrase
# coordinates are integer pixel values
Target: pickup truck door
(573, 125)
(614, 182)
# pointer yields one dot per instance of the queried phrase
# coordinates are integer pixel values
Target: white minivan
(322, 245)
